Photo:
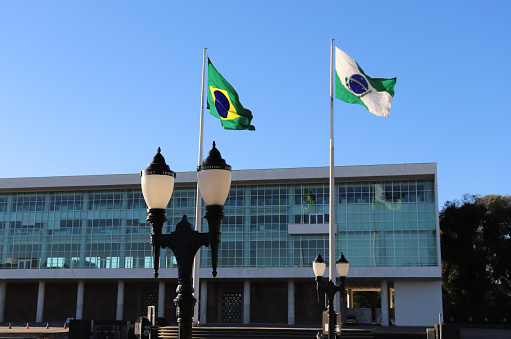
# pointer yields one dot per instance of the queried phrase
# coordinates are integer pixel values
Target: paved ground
(484, 333)
(465, 333)
(33, 332)
(409, 329)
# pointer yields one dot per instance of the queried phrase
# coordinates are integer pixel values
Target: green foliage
(476, 257)
(366, 299)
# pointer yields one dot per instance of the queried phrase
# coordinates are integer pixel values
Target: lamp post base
(185, 303)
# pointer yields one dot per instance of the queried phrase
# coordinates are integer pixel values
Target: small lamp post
(214, 179)
(319, 266)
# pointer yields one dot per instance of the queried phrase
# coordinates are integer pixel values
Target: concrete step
(170, 332)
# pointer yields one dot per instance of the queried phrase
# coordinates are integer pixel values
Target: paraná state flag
(355, 87)
(223, 102)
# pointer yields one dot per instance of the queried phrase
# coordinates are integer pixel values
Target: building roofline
(241, 177)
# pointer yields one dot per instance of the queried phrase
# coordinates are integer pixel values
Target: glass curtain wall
(380, 223)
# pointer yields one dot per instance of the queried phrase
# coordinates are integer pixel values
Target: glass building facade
(379, 223)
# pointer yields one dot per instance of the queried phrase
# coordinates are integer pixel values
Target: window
(308, 196)
(268, 222)
(55, 262)
(3, 204)
(105, 201)
(25, 263)
(313, 218)
(235, 198)
(65, 202)
(135, 200)
(128, 262)
(269, 197)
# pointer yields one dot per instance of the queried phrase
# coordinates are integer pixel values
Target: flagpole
(198, 201)
(331, 221)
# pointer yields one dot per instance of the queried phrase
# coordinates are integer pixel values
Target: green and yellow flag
(223, 102)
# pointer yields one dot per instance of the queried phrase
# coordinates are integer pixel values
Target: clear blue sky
(94, 87)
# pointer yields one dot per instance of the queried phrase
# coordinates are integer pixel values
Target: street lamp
(214, 179)
(342, 266)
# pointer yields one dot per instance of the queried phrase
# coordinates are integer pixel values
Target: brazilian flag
(223, 102)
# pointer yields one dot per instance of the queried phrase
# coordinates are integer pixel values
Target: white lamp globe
(157, 182)
(342, 266)
(319, 266)
(214, 176)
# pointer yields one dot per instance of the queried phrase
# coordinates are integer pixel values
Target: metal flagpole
(331, 221)
(198, 201)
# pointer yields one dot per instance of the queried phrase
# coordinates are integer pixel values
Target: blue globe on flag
(358, 84)
(222, 104)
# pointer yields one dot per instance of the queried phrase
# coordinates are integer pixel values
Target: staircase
(170, 332)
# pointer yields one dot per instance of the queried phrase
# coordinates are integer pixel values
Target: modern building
(78, 246)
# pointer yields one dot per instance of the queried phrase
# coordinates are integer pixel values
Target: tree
(476, 257)
(496, 230)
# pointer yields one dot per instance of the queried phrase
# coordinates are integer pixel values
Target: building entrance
(232, 304)
(149, 299)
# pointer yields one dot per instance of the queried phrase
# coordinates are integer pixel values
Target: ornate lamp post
(214, 178)
(342, 266)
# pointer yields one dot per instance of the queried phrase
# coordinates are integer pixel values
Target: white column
(246, 302)
(384, 303)
(3, 290)
(337, 297)
(120, 300)
(161, 299)
(350, 298)
(291, 302)
(40, 301)
(391, 300)
(79, 300)
(203, 301)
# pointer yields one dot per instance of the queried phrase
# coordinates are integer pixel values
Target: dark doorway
(232, 304)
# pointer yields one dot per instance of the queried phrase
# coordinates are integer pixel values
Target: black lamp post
(214, 178)
(342, 266)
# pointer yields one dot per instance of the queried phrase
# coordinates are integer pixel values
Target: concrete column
(161, 299)
(79, 300)
(246, 302)
(203, 301)
(391, 300)
(120, 300)
(384, 303)
(3, 290)
(350, 298)
(291, 302)
(40, 301)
